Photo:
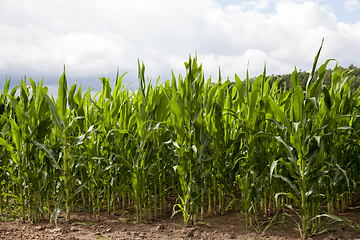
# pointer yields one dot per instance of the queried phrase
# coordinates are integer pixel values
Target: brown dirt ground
(228, 226)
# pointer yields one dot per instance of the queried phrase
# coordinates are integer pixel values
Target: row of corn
(186, 146)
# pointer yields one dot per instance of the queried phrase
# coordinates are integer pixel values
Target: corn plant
(303, 140)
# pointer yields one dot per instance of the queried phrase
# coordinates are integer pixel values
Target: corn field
(185, 146)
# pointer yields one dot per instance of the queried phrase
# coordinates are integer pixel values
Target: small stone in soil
(73, 229)
(191, 233)
(55, 230)
(160, 227)
(39, 228)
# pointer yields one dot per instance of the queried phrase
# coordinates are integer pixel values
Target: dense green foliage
(252, 146)
(353, 73)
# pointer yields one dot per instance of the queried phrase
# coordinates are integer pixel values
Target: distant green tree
(285, 79)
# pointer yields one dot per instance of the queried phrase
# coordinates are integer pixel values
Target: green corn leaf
(6, 87)
(57, 119)
(285, 179)
(62, 95)
(280, 114)
(344, 173)
(10, 148)
(311, 76)
(58, 208)
(240, 88)
(49, 153)
(331, 216)
(81, 186)
(273, 165)
(71, 98)
(327, 99)
(298, 104)
(175, 107)
(294, 79)
(15, 132)
(255, 88)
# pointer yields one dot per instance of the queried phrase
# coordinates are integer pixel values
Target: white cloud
(351, 5)
(94, 37)
(229, 65)
(257, 5)
(233, 8)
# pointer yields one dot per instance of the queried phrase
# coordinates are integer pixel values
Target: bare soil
(228, 226)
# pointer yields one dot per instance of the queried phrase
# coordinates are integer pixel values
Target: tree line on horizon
(352, 70)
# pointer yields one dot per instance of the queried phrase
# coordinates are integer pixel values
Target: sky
(93, 38)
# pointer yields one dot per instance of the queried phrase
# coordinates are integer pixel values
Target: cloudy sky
(93, 38)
